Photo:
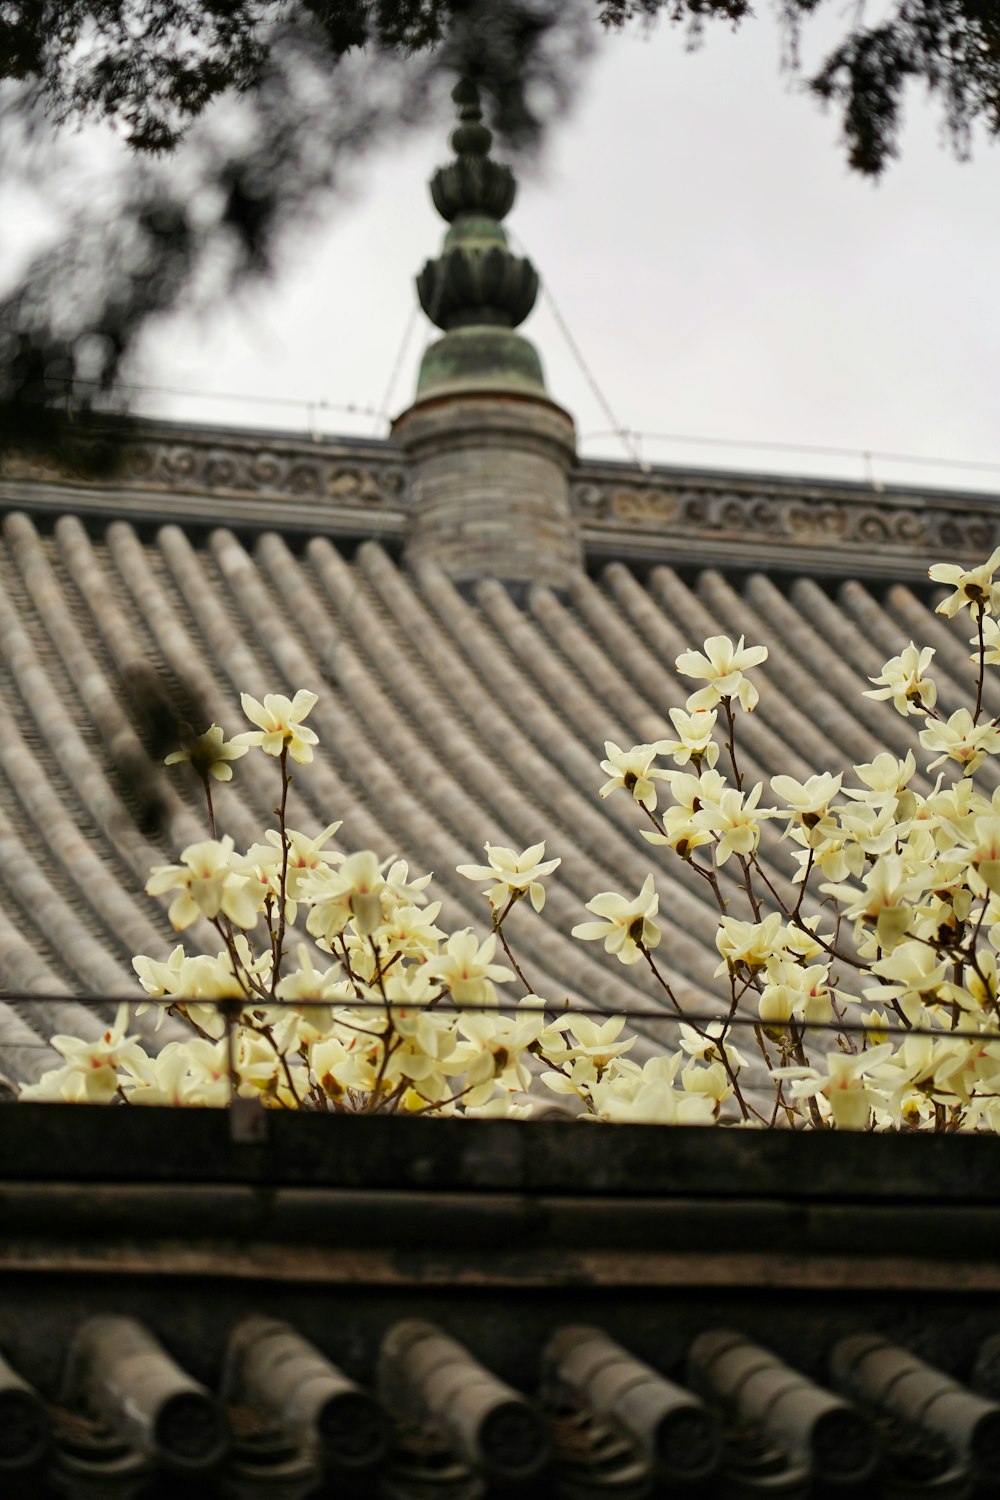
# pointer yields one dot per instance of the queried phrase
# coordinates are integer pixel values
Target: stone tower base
(489, 492)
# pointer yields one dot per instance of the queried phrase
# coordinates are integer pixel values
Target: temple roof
(448, 715)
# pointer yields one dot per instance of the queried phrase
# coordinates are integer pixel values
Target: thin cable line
(398, 363)
(625, 435)
(550, 1012)
(617, 429)
(305, 403)
(828, 449)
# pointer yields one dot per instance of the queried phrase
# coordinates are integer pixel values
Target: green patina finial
(473, 183)
(477, 287)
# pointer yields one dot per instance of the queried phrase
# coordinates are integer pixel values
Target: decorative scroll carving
(368, 480)
(843, 522)
(644, 505)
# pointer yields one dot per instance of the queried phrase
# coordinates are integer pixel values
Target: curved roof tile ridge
(332, 786)
(216, 614)
(63, 747)
(100, 895)
(481, 701)
(635, 659)
(483, 658)
(24, 1053)
(795, 699)
(816, 656)
(561, 683)
(597, 655)
(691, 911)
(58, 924)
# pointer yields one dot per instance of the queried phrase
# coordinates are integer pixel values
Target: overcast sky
(722, 272)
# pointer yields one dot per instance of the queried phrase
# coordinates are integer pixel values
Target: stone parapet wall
(363, 487)
(758, 521)
(170, 471)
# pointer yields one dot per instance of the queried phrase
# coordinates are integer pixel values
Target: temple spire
(476, 279)
(490, 452)
(477, 282)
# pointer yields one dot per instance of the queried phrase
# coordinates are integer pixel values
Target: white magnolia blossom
(513, 875)
(867, 998)
(723, 665)
(624, 925)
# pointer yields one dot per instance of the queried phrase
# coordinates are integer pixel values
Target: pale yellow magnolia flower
(723, 665)
(873, 828)
(991, 642)
(596, 1040)
(972, 587)
(775, 1007)
(344, 1064)
(844, 1088)
(695, 792)
(935, 1068)
(515, 875)
(735, 822)
(694, 740)
(885, 902)
(633, 771)
(808, 800)
(749, 947)
(192, 1073)
(795, 990)
(159, 980)
(495, 1048)
(264, 1074)
(711, 1080)
(650, 1096)
(280, 721)
(210, 884)
(209, 754)
(680, 832)
(352, 892)
(904, 682)
(982, 854)
(884, 777)
(90, 1074)
(836, 857)
(912, 972)
(410, 930)
(624, 924)
(465, 967)
(878, 1027)
(961, 739)
(321, 987)
(305, 853)
(981, 989)
(708, 1043)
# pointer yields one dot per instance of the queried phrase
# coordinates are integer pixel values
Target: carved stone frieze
(164, 462)
(664, 513)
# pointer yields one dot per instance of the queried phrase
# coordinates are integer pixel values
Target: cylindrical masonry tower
(489, 452)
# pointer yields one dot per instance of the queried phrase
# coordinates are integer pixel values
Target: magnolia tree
(870, 999)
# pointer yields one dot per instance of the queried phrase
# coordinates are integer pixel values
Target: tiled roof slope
(445, 719)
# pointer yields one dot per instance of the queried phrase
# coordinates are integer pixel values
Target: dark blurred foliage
(240, 117)
(952, 47)
(167, 715)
